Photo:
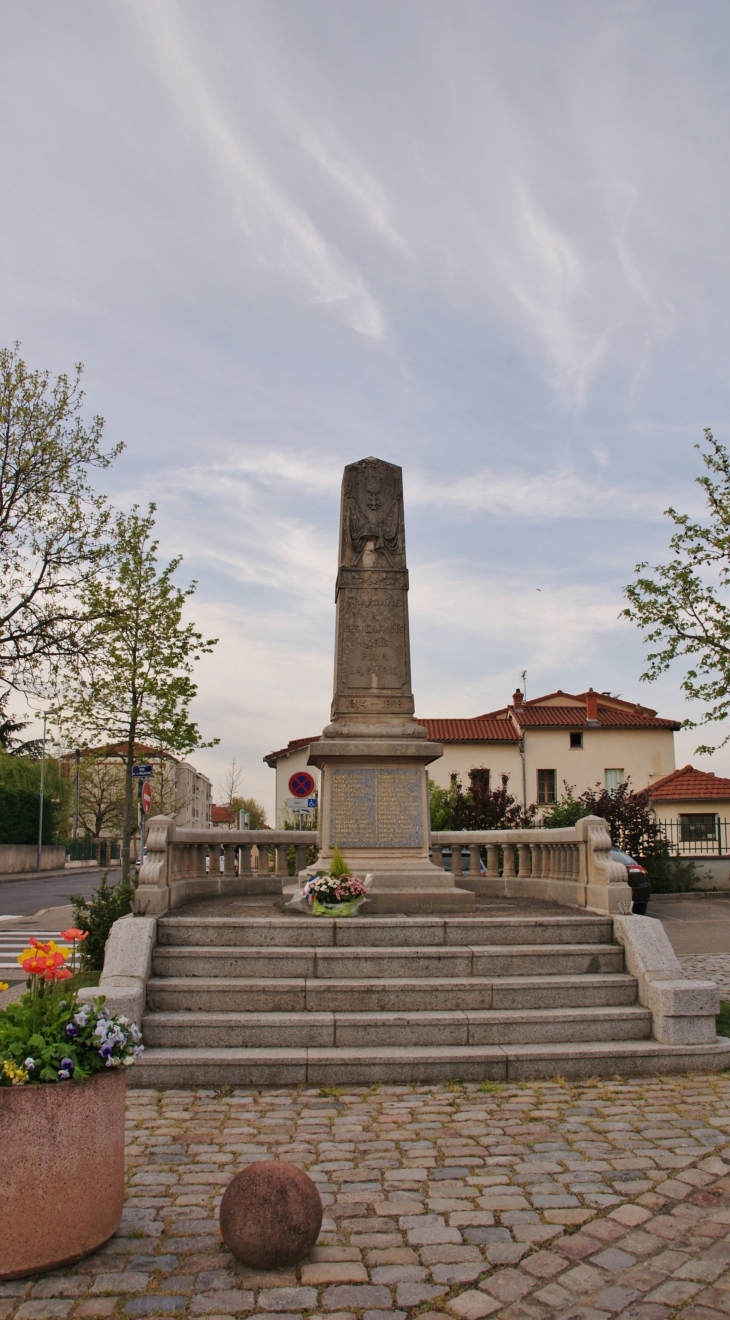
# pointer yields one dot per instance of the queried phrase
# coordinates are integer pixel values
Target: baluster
(457, 866)
(474, 859)
(508, 866)
(229, 859)
(493, 859)
(214, 861)
(301, 857)
(263, 859)
(537, 853)
(523, 850)
(244, 858)
(437, 855)
(281, 862)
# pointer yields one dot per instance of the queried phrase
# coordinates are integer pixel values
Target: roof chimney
(517, 699)
(591, 707)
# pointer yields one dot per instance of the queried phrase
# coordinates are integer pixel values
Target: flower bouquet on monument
(336, 892)
(62, 1093)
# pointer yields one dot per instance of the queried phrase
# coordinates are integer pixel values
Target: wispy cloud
(272, 221)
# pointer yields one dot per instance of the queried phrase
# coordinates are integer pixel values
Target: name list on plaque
(372, 808)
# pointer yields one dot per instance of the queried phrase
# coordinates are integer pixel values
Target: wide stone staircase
(288, 1001)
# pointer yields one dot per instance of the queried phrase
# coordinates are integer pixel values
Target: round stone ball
(270, 1215)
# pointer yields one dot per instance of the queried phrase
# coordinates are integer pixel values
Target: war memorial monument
(374, 802)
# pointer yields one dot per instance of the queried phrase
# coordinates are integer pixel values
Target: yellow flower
(14, 1073)
(3, 986)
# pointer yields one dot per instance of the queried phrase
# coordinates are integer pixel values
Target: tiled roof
(502, 725)
(221, 815)
(293, 746)
(690, 785)
(609, 717)
(481, 729)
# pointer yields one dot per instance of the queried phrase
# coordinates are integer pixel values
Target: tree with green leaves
(683, 606)
(52, 523)
(134, 684)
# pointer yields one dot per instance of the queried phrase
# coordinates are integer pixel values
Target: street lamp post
(43, 786)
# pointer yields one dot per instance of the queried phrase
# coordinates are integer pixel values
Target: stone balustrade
(182, 864)
(571, 866)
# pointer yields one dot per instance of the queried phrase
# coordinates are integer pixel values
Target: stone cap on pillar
(373, 750)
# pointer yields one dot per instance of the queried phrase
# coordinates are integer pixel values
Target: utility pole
(43, 786)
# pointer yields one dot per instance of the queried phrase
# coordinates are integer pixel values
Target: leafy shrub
(98, 914)
(478, 807)
(20, 783)
(19, 816)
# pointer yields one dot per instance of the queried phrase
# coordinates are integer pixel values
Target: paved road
(27, 897)
(694, 925)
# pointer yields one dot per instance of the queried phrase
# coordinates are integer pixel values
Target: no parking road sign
(301, 785)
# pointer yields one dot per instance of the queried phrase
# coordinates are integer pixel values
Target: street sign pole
(140, 814)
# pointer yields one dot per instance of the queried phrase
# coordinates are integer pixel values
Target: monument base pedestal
(375, 809)
(384, 899)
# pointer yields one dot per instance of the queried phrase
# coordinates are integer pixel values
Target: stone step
(298, 995)
(429, 1063)
(409, 963)
(344, 1030)
(320, 932)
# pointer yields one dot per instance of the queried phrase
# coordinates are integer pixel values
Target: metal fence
(698, 835)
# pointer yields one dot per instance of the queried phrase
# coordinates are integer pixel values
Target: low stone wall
(17, 857)
(682, 1011)
(127, 967)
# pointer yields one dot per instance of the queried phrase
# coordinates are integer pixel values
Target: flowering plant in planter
(51, 1037)
(336, 892)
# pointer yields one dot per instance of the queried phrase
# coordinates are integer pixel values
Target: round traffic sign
(301, 784)
(145, 796)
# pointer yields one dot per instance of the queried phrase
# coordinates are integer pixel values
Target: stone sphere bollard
(270, 1215)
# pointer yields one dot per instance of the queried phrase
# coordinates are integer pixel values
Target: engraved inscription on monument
(372, 626)
(372, 808)
(372, 649)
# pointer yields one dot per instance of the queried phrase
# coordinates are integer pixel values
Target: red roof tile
(481, 729)
(609, 717)
(497, 726)
(221, 815)
(690, 785)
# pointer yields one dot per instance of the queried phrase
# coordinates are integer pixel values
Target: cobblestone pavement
(714, 966)
(588, 1201)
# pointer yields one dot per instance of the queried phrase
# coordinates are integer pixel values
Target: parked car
(638, 878)
(465, 860)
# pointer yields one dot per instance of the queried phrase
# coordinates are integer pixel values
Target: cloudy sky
(484, 239)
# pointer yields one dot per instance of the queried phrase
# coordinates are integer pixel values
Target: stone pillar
(373, 755)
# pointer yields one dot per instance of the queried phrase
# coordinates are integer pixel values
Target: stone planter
(61, 1171)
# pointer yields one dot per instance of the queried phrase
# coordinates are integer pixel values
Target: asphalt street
(24, 898)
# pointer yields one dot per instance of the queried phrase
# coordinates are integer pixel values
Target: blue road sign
(142, 771)
(311, 804)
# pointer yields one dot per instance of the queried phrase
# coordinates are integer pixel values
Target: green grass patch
(723, 1018)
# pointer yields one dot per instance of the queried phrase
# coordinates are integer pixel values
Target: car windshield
(618, 856)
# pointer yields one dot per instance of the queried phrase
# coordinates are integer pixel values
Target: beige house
(542, 744)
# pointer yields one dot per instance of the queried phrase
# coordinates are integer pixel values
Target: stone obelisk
(373, 755)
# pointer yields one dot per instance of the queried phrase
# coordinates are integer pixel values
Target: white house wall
(287, 766)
